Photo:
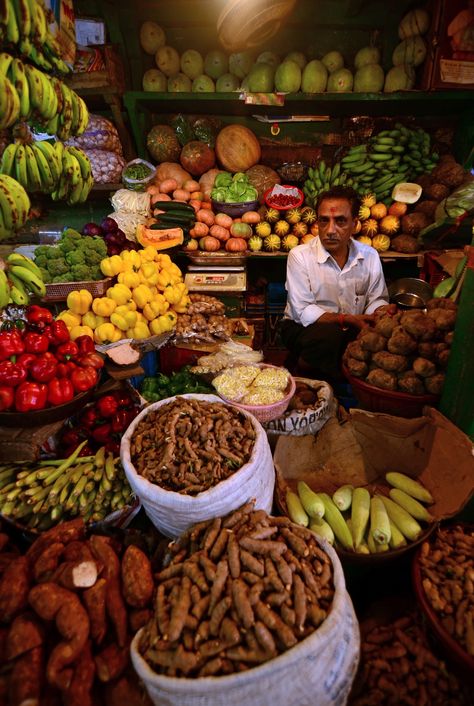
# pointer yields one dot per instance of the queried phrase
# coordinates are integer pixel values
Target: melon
(340, 81)
(272, 243)
(152, 37)
(268, 57)
(381, 242)
(237, 148)
(262, 178)
(289, 242)
(367, 55)
(192, 63)
(410, 51)
(216, 63)
(162, 144)
(333, 61)
(197, 157)
(179, 83)
(260, 78)
(203, 84)
(369, 79)
(288, 77)
(298, 57)
(227, 83)
(240, 63)
(315, 77)
(414, 22)
(255, 243)
(154, 80)
(399, 78)
(167, 60)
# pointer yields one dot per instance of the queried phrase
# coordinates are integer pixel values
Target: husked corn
(270, 377)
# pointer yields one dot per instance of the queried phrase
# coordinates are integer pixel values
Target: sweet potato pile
(189, 445)
(447, 570)
(68, 609)
(236, 592)
(398, 667)
(407, 351)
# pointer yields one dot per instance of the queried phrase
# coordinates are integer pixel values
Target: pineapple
(389, 225)
(300, 229)
(293, 215)
(289, 242)
(308, 215)
(364, 213)
(272, 243)
(378, 211)
(281, 228)
(272, 215)
(368, 200)
(369, 227)
(263, 229)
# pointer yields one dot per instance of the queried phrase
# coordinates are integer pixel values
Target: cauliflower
(76, 257)
(41, 261)
(80, 273)
(46, 277)
(57, 266)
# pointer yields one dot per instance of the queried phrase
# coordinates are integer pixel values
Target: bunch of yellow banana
(20, 280)
(26, 93)
(26, 25)
(76, 178)
(14, 206)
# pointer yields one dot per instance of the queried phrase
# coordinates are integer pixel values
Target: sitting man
(334, 285)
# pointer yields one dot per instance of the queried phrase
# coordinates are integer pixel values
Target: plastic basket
(267, 412)
(58, 291)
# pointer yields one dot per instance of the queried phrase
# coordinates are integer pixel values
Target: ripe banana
(21, 172)
(5, 9)
(19, 260)
(8, 206)
(7, 165)
(18, 291)
(65, 118)
(83, 117)
(48, 181)
(4, 233)
(4, 289)
(20, 198)
(32, 282)
(35, 85)
(34, 179)
(5, 61)
(83, 160)
(12, 30)
(51, 157)
(17, 75)
(39, 23)
(23, 16)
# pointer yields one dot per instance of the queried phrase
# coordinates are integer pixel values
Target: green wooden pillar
(457, 401)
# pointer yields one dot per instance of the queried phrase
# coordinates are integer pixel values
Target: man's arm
(301, 307)
(377, 293)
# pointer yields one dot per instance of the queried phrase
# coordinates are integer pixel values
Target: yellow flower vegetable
(162, 324)
(181, 307)
(131, 258)
(125, 308)
(124, 321)
(148, 254)
(69, 317)
(77, 331)
(129, 279)
(92, 320)
(141, 319)
(156, 307)
(174, 270)
(79, 301)
(107, 333)
(103, 306)
(163, 280)
(174, 292)
(142, 295)
(111, 266)
(173, 316)
(149, 273)
(119, 293)
(163, 260)
(141, 330)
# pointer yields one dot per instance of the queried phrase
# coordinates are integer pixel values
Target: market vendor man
(334, 285)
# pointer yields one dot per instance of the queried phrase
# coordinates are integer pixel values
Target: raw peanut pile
(188, 445)
(236, 592)
(447, 570)
(204, 321)
(398, 667)
(68, 610)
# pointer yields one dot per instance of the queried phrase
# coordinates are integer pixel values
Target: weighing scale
(212, 279)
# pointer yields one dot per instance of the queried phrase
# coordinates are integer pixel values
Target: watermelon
(162, 144)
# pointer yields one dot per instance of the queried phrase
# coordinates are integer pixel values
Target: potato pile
(407, 351)
(188, 445)
(204, 321)
(236, 591)
(68, 609)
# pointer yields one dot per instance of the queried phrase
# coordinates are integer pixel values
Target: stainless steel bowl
(410, 292)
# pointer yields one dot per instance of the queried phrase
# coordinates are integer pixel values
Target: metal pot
(410, 293)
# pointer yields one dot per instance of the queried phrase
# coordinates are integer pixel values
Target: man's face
(336, 224)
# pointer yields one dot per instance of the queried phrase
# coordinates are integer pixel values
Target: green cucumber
(177, 221)
(173, 206)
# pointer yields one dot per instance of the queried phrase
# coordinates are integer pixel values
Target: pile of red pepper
(102, 423)
(41, 367)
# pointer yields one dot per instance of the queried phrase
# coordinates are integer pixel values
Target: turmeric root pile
(235, 592)
(188, 445)
(398, 667)
(68, 610)
(447, 571)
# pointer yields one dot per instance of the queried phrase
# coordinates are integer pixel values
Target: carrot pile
(234, 593)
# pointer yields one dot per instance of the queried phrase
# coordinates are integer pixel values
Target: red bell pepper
(88, 418)
(106, 406)
(71, 437)
(122, 419)
(102, 433)
(84, 378)
(35, 342)
(64, 370)
(93, 359)
(85, 344)
(123, 398)
(11, 344)
(43, 369)
(12, 374)
(58, 333)
(66, 351)
(7, 397)
(60, 391)
(30, 396)
(26, 360)
(39, 316)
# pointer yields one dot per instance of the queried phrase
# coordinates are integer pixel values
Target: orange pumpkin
(160, 239)
(237, 148)
(209, 243)
(236, 245)
(241, 230)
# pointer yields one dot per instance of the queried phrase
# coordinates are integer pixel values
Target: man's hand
(359, 321)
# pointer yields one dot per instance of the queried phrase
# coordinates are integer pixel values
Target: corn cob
(411, 505)
(396, 537)
(342, 497)
(410, 486)
(311, 502)
(360, 513)
(407, 524)
(322, 529)
(296, 510)
(338, 524)
(379, 522)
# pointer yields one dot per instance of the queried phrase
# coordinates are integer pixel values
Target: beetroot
(92, 229)
(108, 225)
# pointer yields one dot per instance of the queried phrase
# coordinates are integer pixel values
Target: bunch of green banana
(24, 279)
(321, 178)
(76, 178)
(39, 495)
(25, 24)
(14, 206)
(388, 158)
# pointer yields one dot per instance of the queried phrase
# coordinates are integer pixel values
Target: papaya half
(160, 239)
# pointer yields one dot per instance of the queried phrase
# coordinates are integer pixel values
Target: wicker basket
(267, 412)
(58, 291)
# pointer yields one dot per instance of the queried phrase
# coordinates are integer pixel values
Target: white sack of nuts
(249, 609)
(196, 459)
